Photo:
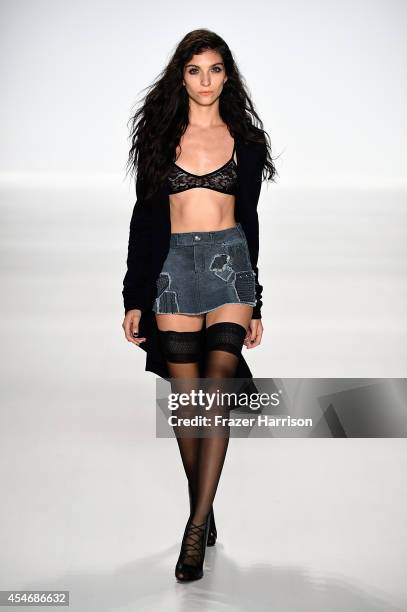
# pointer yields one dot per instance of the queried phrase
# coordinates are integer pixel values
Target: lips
(205, 93)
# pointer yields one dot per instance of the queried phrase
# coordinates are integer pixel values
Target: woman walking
(191, 292)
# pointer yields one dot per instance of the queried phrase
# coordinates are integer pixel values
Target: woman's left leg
(226, 329)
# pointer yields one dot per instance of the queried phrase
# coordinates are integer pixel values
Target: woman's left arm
(249, 197)
(250, 188)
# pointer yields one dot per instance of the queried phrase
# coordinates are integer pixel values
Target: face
(205, 73)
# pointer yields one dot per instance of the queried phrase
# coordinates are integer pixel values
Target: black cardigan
(149, 241)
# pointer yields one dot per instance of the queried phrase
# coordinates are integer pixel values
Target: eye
(216, 69)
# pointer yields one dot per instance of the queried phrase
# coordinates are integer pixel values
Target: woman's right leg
(180, 341)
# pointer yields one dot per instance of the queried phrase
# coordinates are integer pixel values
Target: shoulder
(254, 144)
(252, 155)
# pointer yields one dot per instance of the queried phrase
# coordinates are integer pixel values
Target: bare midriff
(201, 210)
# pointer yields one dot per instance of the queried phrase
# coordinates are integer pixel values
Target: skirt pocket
(245, 285)
(167, 299)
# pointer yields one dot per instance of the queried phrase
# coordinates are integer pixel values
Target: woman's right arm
(137, 289)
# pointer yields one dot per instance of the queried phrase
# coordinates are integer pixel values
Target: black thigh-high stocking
(182, 353)
(224, 341)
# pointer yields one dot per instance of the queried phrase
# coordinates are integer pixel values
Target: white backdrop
(328, 79)
(92, 501)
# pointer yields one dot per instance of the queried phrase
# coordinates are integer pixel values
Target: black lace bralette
(224, 179)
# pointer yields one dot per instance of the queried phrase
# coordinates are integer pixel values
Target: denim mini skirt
(205, 270)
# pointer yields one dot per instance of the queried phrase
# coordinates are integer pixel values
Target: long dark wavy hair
(157, 126)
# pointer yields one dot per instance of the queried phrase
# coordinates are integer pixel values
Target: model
(191, 292)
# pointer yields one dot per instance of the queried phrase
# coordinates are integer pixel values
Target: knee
(181, 346)
(225, 336)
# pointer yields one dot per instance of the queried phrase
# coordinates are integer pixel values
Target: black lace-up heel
(191, 558)
(213, 534)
